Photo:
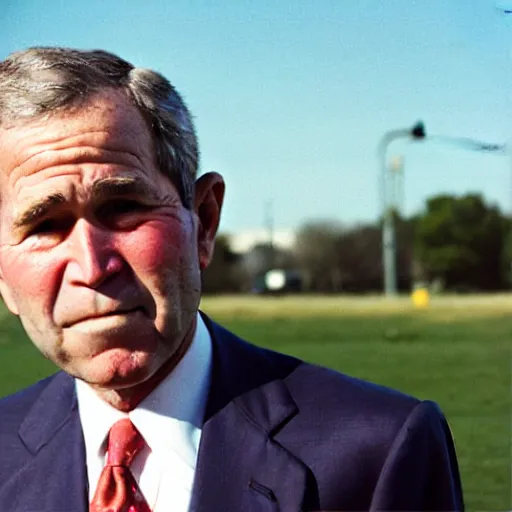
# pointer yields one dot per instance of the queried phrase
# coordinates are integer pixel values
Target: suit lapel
(240, 464)
(52, 433)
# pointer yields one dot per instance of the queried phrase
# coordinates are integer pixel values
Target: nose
(93, 257)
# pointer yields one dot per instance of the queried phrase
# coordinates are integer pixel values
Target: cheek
(31, 278)
(157, 248)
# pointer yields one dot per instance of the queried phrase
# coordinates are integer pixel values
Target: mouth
(118, 312)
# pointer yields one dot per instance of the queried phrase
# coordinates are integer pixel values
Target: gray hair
(40, 81)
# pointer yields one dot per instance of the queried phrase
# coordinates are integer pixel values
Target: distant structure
(262, 253)
(243, 241)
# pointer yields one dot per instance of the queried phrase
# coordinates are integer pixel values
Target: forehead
(107, 122)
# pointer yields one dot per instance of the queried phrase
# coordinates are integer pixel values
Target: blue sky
(291, 98)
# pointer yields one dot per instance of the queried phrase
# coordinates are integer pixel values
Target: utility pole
(417, 132)
(269, 222)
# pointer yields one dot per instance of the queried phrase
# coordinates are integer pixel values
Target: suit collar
(52, 433)
(49, 413)
(240, 464)
(239, 370)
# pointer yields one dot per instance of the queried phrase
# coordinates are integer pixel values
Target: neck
(126, 399)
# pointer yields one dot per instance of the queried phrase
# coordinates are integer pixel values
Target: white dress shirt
(170, 419)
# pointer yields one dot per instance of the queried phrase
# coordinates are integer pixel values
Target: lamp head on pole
(418, 131)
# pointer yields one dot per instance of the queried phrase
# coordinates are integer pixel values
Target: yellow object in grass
(421, 298)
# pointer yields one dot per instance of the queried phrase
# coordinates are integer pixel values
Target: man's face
(98, 256)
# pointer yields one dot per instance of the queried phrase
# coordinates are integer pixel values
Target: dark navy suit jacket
(279, 434)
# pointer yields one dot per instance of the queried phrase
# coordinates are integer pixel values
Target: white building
(243, 241)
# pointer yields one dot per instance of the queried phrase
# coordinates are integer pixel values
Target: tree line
(457, 243)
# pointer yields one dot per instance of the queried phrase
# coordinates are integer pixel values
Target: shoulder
(337, 417)
(318, 387)
(13, 408)
(375, 428)
(312, 387)
(318, 392)
(358, 409)
(344, 403)
(361, 414)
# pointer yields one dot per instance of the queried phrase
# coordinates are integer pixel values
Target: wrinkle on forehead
(82, 153)
(108, 121)
(108, 131)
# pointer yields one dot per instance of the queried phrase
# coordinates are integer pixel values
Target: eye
(52, 226)
(121, 212)
(121, 206)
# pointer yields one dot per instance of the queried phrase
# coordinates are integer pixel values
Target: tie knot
(124, 442)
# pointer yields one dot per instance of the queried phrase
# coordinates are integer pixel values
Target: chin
(119, 369)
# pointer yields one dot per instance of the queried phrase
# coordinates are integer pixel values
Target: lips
(104, 314)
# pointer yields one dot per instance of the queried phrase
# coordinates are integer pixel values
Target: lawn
(457, 352)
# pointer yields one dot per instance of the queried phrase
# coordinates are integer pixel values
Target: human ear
(208, 198)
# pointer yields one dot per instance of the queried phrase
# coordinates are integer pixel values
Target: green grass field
(457, 352)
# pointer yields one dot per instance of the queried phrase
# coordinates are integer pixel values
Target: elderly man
(104, 232)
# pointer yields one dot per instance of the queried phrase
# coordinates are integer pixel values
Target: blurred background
(367, 151)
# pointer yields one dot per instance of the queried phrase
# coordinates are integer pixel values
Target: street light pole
(417, 132)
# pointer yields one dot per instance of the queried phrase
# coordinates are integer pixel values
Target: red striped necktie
(117, 490)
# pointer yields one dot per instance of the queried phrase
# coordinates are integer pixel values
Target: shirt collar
(170, 417)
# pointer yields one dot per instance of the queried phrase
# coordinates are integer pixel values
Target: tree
(507, 251)
(337, 259)
(316, 253)
(359, 258)
(460, 240)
